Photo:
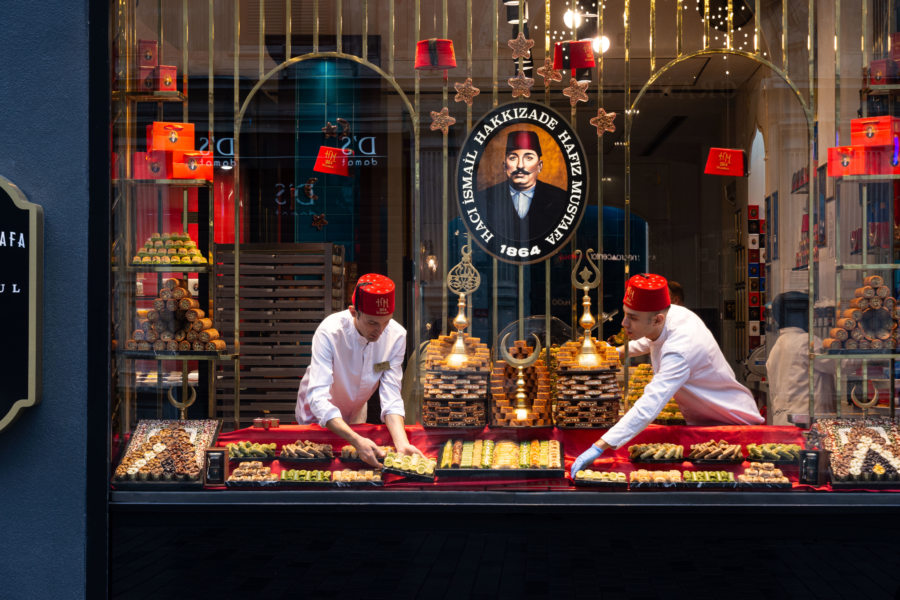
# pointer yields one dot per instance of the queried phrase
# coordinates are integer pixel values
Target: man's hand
(369, 451)
(586, 459)
(407, 449)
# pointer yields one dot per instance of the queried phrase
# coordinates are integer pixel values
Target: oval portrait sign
(521, 182)
(21, 262)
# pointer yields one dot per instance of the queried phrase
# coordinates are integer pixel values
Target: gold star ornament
(604, 121)
(466, 92)
(521, 85)
(575, 91)
(548, 72)
(441, 120)
(521, 46)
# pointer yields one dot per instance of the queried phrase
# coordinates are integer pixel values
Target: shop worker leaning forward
(687, 364)
(354, 352)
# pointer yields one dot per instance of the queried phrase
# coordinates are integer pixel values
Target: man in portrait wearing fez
(522, 208)
(355, 352)
(687, 365)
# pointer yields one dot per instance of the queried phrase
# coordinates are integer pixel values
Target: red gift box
(886, 161)
(874, 131)
(146, 79)
(167, 78)
(163, 135)
(882, 72)
(895, 46)
(148, 51)
(855, 160)
(151, 165)
(192, 165)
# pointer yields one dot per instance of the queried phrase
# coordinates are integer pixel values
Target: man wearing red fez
(522, 209)
(355, 352)
(687, 364)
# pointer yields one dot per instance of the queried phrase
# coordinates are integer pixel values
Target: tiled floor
(444, 554)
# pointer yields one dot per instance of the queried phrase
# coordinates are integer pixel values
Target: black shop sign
(522, 182)
(21, 280)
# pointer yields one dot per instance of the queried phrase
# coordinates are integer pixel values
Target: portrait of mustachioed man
(521, 185)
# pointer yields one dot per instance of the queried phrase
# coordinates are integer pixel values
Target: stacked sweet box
(756, 281)
(171, 155)
(873, 149)
(587, 398)
(455, 396)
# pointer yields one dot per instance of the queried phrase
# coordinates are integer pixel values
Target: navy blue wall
(44, 150)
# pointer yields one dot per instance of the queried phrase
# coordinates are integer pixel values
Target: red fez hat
(523, 140)
(646, 292)
(374, 295)
(573, 55)
(435, 54)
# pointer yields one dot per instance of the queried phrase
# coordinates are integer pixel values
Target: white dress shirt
(688, 365)
(345, 369)
(787, 371)
(522, 200)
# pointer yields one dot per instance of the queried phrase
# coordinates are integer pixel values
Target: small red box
(753, 212)
(192, 165)
(762, 225)
(874, 131)
(167, 78)
(855, 160)
(882, 72)
(895, 46)
(883, 162)
(753, 299)
(146, 79)
(164, 135)
(151, 165)
(148, 51)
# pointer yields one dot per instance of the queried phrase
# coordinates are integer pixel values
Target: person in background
(355, 352)
(787, 367)
(676, 293)
(688, 365)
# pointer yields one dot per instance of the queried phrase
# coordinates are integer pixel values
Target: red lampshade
(573, 55)
(726, 161)
(332, 161)
(435, 54)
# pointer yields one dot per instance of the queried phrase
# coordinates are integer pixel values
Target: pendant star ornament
(521, 85)
(604, 121)
(466, 92)
(441, 120)
(329, 130)
(548, 72)
(521, 46)
(308, 189)
(345, 127)
(319, 221)
(575, 91)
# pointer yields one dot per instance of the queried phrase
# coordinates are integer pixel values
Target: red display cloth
(574, 442)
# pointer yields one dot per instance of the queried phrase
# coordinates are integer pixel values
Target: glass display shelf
(160, 268)
(165, 182)
(175, 355)
(142, 96)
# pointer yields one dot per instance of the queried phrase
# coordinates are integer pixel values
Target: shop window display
(228, 254)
